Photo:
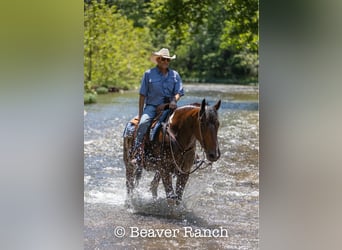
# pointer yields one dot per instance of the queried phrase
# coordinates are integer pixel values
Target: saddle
(132, 125)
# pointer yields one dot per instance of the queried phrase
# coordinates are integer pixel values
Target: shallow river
(220, 207)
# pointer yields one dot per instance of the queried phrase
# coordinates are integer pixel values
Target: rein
(198, 163)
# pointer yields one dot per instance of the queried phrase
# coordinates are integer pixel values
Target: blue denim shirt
(155, 86)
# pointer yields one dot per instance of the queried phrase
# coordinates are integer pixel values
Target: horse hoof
(128, 203)
(171, 202)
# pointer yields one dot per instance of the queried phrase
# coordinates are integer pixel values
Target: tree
(241, 29)
(115, 53)
(240, 34)
(217, 39)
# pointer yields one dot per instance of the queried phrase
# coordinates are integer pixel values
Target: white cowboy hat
(161, 53)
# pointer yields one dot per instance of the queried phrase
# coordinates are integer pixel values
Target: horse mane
(194, 108)
(196, 104)
(210, 112)
(191, 105)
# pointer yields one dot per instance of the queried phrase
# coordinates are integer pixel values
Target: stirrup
(136, 155)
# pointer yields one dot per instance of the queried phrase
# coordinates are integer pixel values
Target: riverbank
(90, 98)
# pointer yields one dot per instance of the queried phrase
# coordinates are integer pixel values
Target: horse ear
(202, 107)
(217, 105)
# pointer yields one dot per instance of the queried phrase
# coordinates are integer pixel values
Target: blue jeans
(145, 122)
(162, 119)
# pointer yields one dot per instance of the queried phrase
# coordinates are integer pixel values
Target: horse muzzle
(213, 155)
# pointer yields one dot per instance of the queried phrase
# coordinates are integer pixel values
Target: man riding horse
(173, 151)
(159, 85)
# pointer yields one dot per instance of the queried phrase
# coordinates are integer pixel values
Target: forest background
(216, 41)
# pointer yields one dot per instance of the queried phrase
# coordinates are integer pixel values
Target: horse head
(208, 127)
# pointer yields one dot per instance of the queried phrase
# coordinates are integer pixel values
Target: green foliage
(214, 40)
(135, 10)
(115, 53)
(101, 90)
(208, 36)
(88, 88)
(241, 29)
(245, 64)
(89, 98)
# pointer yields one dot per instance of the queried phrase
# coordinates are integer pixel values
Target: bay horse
(173, 151)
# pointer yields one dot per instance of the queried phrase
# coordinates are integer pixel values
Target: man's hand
(173, 104)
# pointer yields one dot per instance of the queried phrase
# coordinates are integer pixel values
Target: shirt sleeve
(144, 84)
(179, 85)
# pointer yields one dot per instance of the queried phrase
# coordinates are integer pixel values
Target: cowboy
(159, 85)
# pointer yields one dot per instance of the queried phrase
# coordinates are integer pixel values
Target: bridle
(198, 163)
(202, 142)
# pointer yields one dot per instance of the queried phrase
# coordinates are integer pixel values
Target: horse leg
(167, 181)
(182, 179)
(129, 167)
(129, 178)
(154, 185)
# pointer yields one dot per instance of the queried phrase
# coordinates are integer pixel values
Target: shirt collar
(160, 73)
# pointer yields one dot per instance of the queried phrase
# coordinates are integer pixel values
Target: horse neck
(184, 125)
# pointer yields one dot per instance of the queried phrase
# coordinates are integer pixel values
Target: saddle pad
(130, 127)
(135, 121)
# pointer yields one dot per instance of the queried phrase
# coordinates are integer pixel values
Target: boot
(136, 156)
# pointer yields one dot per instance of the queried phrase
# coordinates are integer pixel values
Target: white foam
(240, 194)
(113, 197)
